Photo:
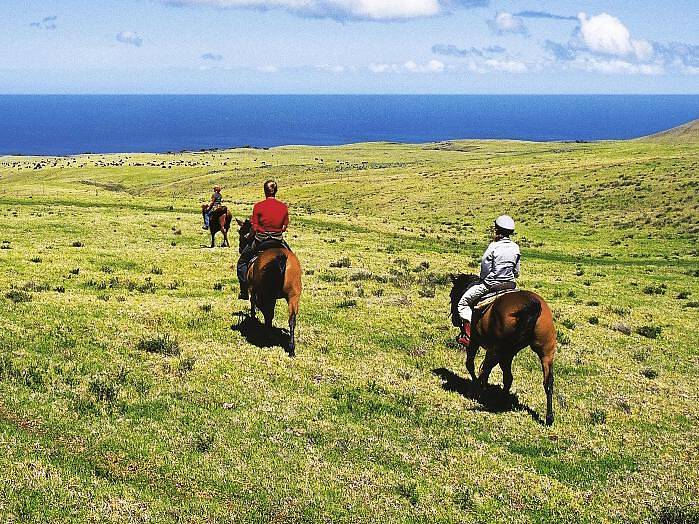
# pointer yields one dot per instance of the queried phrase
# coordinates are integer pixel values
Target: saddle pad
(490, 298)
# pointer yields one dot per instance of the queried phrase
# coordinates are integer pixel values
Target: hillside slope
(133, 389)
(685, 134)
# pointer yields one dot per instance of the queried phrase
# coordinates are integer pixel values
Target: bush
(347, 303)
(683, 294)
(104, 388)
(426, 291)
(562, 337)
(655, 290)
(77, 243)
(361, 275)
(649, 373)
(649, 331)
(156, 270)
(593, 320)
(186, 364)
(343, 262)
(203, 442)
(598, 416)
(568, 323)
(161, 344)
(17, 296)
(622, 328)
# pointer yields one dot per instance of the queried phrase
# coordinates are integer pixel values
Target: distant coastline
(76, 124)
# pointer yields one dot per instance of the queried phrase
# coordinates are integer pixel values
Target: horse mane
(461, 283)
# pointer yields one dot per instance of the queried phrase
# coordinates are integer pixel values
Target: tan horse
(220, 220)
(275, 274)
(514, 321)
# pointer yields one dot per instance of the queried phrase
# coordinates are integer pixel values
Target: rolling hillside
(132, 389)
(685, 134)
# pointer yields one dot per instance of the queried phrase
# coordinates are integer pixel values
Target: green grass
(126, 396)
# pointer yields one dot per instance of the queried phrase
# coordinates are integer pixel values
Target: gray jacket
(500, 262)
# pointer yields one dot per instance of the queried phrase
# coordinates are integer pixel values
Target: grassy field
(133, 390)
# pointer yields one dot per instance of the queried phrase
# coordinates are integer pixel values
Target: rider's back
(270, 216)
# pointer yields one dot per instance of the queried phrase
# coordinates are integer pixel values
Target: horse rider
(216, 200)
(270, 219)
(499, 265)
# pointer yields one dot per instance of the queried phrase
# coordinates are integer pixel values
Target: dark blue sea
(63, 125)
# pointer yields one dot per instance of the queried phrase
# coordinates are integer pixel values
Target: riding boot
(464, 337)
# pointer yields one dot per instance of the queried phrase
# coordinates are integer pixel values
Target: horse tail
(280, 263)
(527, 318)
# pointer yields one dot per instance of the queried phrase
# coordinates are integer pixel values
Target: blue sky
(349, 46)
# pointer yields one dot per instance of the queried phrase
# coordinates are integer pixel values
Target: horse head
(460, 283)
(244, 233)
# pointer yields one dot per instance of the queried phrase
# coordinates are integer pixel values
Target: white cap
(505, 222)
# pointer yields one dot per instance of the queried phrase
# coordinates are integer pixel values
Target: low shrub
(17, 296)
(649, 373)
(622, 328)
(598, 416)
(162, 344)
(649, 331)
(343, 262)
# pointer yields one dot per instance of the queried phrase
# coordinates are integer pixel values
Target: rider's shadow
(258, 335)
(492, 399)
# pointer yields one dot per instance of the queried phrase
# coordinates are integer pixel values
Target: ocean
(72, 124)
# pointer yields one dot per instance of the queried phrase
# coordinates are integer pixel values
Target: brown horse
(220, 220)
(513, 321)
(274, 274)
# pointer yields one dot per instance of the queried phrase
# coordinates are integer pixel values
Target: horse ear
(240, 222)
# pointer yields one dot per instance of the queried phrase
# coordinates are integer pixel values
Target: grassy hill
(685, 134)
(131, 392)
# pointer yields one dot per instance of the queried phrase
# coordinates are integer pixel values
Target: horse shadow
(258, 335)
(492, 399)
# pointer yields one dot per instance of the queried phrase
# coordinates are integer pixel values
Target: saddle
(218, 211)
(269, 242)
(493, 293)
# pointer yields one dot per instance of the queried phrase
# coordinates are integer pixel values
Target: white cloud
(507, 23)
(617, 66)
(383, 68)
(433, 66)
(268, 69)
(131, 38)
(607, 35)
(507, 66)
(411, 66)
(337, 69)
(376, 10)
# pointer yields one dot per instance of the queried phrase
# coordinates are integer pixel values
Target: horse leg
(225, 239)
(547, 368)
(222, 228)
(487, 366)
(293, 310)
(268, 312)
(213, 235)
(506, 366)
(471, 352)
(253, 311)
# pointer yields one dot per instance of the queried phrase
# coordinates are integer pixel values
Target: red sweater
(270, 216)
